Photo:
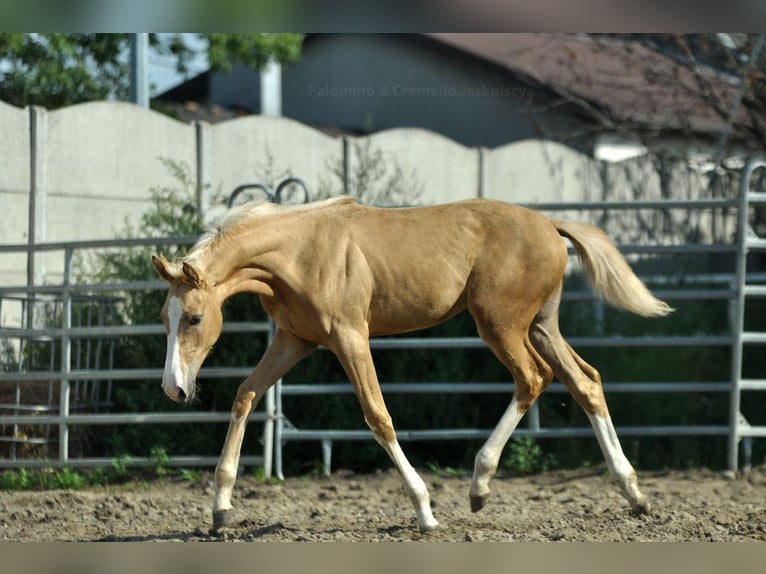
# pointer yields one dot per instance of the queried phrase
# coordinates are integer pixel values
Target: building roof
(619, 82)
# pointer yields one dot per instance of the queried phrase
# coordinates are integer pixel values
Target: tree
(56, 70)
(738, 60)
(652, 88)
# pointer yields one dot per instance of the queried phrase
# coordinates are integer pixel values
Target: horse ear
(163, 268)
(192, 276)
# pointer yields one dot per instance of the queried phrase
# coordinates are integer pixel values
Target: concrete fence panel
(102, 160)
(537, 171)
(110, 153)
(657, 178)
(266, 150)
(84, 170)
(434, 169)
(15, 177)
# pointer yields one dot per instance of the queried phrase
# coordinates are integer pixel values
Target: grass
(522, 455)
(117, 473)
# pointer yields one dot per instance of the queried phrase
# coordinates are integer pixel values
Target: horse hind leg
(531, 375)
(584, 383)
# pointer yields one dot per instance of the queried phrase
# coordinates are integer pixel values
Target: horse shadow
(201, 535)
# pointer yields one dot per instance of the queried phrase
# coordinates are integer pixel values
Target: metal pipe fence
(67, 337)
(60, 412)
(733, 285)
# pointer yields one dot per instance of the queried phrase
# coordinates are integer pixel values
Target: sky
(162, 74)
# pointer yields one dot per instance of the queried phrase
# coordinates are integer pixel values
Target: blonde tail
(610, 275)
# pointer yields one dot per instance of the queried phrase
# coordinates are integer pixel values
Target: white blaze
(173, 377)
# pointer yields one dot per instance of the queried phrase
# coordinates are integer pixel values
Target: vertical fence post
(346, 165)
(737, 324)
(204, 166)
(481, 157)
(66, 357)
(36, 228)
(268, 424)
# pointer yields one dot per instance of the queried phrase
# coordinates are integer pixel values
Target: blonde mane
(250, 210)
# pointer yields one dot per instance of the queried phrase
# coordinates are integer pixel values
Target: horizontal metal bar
(753, 431)
(717, 278)
(610, 341)
(754, 337)
(101, 332)
(676, 294)
(79, 288)
(476, 342)
(120, 374)
(107, 331)
(634, 204)
(649, 341)
(379, 344)
(755, 290)
(185, 461)
(293, 389)
(755, 244)
(128, 418)
(469, 434)
(756, 198)
(694, 294)
(543, 206)
(679, 249)
(29, 408)
(664, 294)
(752, 385)
(683, 249)
(26, 440)
(99, 244)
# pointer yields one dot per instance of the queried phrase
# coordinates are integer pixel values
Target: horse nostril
(181, 394)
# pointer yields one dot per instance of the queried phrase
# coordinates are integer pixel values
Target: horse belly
(412, 305)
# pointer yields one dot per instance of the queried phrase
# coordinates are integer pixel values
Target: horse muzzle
(178, 387)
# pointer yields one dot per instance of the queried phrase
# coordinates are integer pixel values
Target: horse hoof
(642, 507)
(429, 527)
(220, 519)
(478, 502)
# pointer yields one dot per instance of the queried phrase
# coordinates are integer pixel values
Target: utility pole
(139, 69)
(271, 89)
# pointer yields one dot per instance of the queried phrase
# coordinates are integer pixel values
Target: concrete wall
(435, 168)
(101, 161)
(262, 149)
(15, 175)
(94, 166)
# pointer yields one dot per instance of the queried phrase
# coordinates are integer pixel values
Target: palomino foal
(335, 273)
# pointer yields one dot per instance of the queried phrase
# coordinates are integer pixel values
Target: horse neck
(243, 261)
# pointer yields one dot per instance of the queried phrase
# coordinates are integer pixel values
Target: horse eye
(195, 319)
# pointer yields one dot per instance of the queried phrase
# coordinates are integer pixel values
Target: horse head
(193, 322)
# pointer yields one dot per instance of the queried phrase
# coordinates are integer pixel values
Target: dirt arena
(582, 505)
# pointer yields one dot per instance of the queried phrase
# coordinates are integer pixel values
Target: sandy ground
(582, 505)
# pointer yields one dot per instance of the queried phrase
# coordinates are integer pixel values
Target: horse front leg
(353, 351)
(283, 353)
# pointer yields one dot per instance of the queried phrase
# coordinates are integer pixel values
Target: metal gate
(78, 373)
(728, 287)
(64, 334)
(749, 286)
(63, 411)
